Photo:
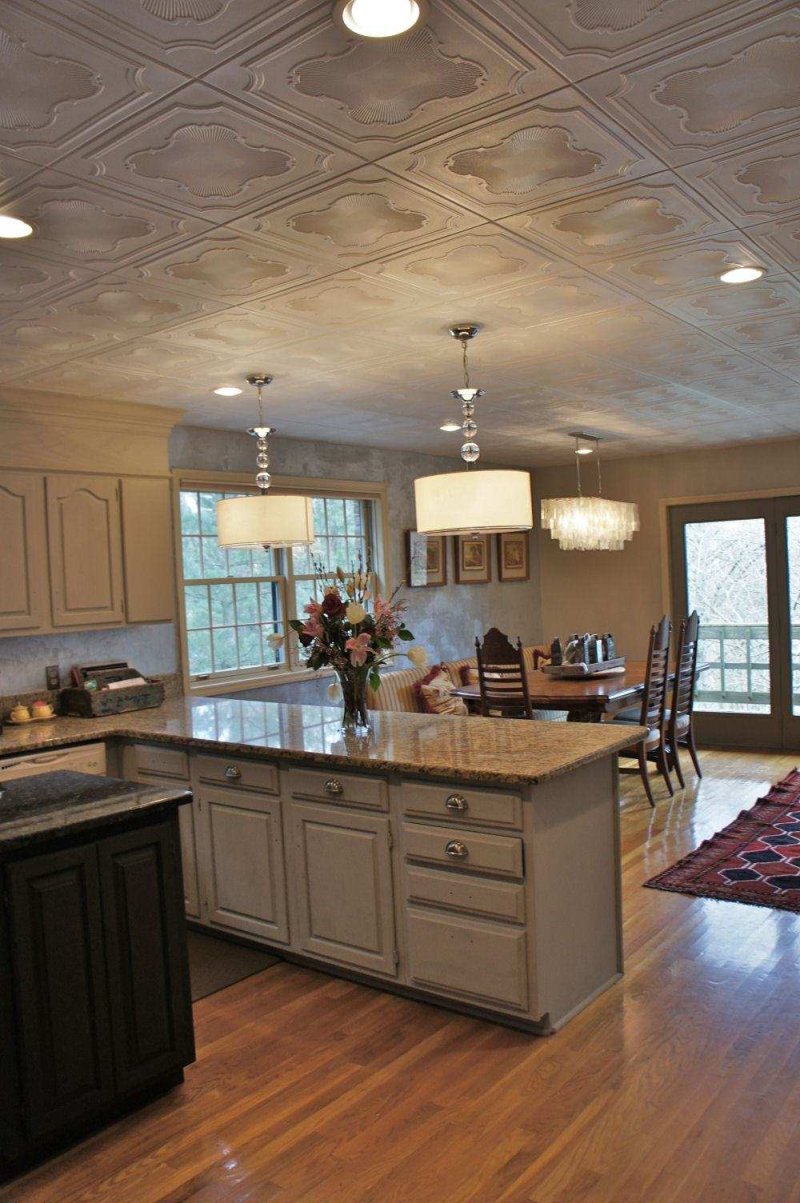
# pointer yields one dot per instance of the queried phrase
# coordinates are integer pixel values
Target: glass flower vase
(353, 683)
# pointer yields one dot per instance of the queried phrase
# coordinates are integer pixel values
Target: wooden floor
(682, 1083)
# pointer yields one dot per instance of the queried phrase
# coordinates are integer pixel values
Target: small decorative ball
(470, 452)
(467, 409)
(263, 480)
(262, 459)
(469, 427)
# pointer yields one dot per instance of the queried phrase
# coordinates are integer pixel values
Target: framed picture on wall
(513, 556)
(427, 559)
(473, 559)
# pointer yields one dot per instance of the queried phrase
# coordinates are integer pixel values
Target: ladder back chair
(680, 720)
(502, 677)
(652, 714)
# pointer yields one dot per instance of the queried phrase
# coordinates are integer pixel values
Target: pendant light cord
(599, 476)
(464, 361)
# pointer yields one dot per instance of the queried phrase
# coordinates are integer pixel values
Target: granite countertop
(36, 808)
(493, 751)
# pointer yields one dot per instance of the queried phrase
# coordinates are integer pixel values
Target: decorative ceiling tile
(206, 155)
(718, 94)
(81, 224)
(548, 151)
(781, 240)
(233, 333)
(784, 358)
(157, 359)
(726, 302)
(13, 170)
(44, 339)
(754, 184)
(122, 310)
(367, 214)
(691, 266)
(654, 212)
(762, 331)
(25, 281)
(341, 300)
(58, 88)
(373, 95)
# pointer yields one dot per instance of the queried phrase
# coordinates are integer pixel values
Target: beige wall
(622, 591)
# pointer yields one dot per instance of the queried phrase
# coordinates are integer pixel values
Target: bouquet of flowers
(355, 634)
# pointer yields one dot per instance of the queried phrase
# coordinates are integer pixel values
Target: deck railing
(738, 656)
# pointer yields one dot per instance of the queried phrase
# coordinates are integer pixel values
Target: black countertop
(53, 804)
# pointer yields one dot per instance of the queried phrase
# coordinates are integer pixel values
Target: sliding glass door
(738, 564)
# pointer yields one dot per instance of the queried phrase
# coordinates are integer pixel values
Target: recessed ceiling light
(741, 275)
(450, 427)
(379, 18)
(584, 450)
(12, 227)
(227, 391)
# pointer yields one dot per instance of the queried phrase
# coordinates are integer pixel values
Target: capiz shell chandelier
(589, 523)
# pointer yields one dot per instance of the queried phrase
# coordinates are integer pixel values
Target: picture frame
(426, 560)
(473, 559)
(513, 556)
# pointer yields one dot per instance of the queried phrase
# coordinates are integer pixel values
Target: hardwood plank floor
(682, 1082)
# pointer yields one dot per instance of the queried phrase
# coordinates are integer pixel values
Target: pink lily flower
(358, 648)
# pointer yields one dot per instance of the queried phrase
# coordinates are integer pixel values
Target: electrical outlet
(52, 676)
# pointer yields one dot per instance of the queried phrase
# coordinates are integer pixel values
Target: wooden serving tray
(568, 671)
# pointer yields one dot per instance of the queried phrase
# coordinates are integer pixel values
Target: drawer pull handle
(457, 803)
(233, 773)
(334, 787)
(457, 850)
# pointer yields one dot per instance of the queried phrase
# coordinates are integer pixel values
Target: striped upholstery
(454, 668)
(535, 655)
(396, 692)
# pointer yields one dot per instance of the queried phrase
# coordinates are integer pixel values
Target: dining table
(585, 699)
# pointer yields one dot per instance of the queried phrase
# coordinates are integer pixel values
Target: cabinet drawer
(253, 776)
(457, 805)
(161, 762)
(486, 962)
(463, 892)
(464, 850)
(344, 789)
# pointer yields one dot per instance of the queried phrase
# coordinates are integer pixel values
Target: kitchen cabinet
(23, 571)
(343, 886)
(147, 550)
(85, 544)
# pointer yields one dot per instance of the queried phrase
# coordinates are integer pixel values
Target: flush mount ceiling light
(227, 391)
(379, 18)
(264, 520)
(589, 523)
(742, 275)
(450, 427)
(472, 502)
(12, 227)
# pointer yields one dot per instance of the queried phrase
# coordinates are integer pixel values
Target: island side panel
(572, 844)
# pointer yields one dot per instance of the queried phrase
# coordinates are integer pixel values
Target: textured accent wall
(151, 648)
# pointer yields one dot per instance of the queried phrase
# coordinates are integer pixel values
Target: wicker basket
(94, 703)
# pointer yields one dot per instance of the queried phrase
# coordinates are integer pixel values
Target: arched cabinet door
(85, 541)
(23, 563)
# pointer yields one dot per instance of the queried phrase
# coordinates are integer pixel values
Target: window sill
(216, 686)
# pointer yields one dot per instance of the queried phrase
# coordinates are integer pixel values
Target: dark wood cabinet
(94, 985)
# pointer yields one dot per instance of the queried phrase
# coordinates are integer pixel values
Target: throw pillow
(436, 696)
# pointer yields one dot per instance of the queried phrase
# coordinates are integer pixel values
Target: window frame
(234, 680)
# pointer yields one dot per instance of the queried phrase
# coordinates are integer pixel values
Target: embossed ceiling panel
(57, 87)
(551, 150)
(723, 92)
(218, 186)
(373, 95)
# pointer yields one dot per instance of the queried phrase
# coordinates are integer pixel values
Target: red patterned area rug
(756, 859)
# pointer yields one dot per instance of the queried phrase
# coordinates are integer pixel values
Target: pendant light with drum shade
(589, 523)
(266, 519)
(472, 502)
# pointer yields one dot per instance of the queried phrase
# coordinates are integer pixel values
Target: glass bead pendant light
(264, 519)
(589, 523)
(472, 502)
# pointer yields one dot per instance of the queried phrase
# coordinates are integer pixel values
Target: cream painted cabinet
(147, 550)
(23, 562)
(242, 871)
(342, 877)
(85, 545)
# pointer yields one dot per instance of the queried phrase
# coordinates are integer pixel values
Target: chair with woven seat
(502, 677)
(652, 713)
(680, 717)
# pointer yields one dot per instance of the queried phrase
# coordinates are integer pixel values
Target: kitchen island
(466, 861)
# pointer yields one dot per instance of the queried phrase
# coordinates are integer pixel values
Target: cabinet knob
(233, 773)
(457, 850)
(334, 787)
(457, 803)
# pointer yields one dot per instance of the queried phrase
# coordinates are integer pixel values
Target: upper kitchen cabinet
(147, 550)
(23, 574)
(84, 536)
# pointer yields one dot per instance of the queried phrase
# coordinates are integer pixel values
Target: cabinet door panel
(85, 542)
(246, 881)
(484, 962)
(23, 565)
(344, 875)
(148, 972)
(147, 550)
(57, 935)
(132, 761)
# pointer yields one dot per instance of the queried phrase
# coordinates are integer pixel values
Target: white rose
(356, 613)
(418, 657)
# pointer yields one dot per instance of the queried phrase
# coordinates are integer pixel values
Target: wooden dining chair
(680, 718)
(652, 714)
(502, 677)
